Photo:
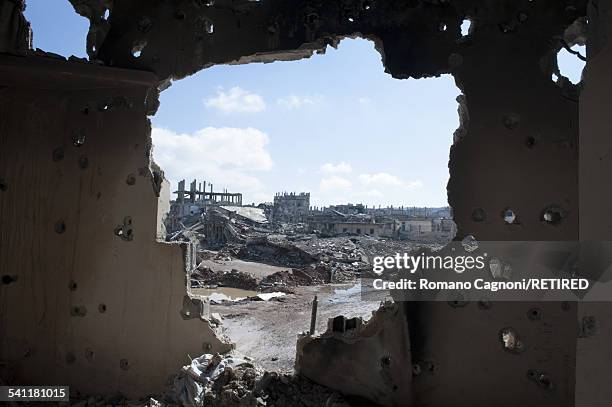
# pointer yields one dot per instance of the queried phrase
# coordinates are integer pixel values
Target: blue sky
(334, 125)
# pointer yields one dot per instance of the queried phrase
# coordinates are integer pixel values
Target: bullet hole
(210, 27)
(367, 5)
(479, 215)
(442, 27)
(144, 25)
(125, 231)
(416, 369)
(351, 20)
(3, 185)
(7, 279)
(505, 28)
(511, 121)
(509, 216)
(78, 311)
(98, 195)
(458, 302)
(85, 110)
(79, 138)
(89, 354)
(589, 327)
(541, 379)
(204, 3)
(204, 25)
(83, 162)
(312, 18)
(511, 341)
(534, 314)
(102, 308)
(180, 15)
(554, 77)
(466, 26)
(207, 347)
(484, 304)
(553, 215)
(430, 367)
(131, 179)
(469, 243)
(72, 285)
(60, 227)
(123, 364)
(138, 47)
(104, 106)
(58, 154)
(522, 17)
(565, 306)
(70, 358)
(531, 141)
(106, 15)
(385, 361)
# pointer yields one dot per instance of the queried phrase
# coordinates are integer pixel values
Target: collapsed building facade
(291, 207)
(92, 298)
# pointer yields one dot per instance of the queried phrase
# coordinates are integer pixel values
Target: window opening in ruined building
(291, 176)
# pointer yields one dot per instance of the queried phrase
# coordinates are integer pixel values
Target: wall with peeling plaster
(96, 301)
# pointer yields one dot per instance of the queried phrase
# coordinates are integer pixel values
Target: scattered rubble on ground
(230, 380)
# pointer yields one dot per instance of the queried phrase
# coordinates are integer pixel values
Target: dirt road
(267, 330)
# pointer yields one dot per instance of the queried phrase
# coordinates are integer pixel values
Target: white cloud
(383, 179)
(225, 156)
(341, 168)
(236, 100)
(334, 183)
(295, 102)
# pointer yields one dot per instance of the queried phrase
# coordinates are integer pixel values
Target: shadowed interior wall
(81, 304)
(594, 353)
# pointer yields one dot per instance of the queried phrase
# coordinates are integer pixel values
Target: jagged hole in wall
(571, 63)
(298, 173)
(67, 38)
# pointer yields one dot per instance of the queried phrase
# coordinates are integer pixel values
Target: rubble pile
(296, 277)
(275, 249)
(235, 381)
(204, 276)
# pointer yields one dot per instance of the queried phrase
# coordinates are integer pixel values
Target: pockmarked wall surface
(89, 298)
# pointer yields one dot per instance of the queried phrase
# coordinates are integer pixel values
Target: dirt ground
(267, 330)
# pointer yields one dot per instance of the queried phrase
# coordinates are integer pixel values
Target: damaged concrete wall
(516, 150)
(594, 354)
(88, 297)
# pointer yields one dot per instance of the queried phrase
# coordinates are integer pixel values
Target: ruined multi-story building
(195, 201)
(291, 207)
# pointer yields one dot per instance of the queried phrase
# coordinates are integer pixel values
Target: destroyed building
(195, 201)
(291, 207)
(331, 222)
(91, 296)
